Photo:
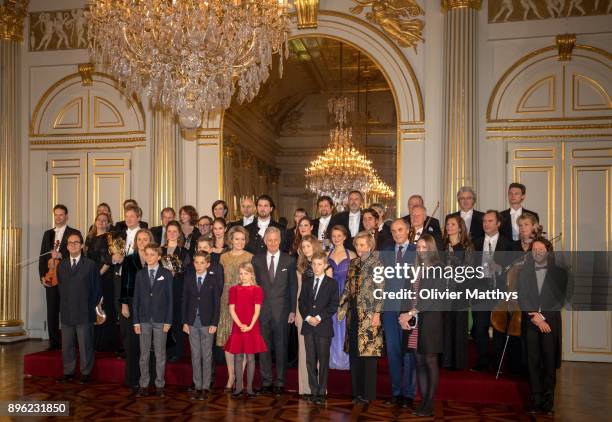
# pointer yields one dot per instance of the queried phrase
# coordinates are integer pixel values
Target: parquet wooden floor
(113, 402)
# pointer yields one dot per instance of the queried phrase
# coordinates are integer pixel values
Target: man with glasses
(79, 287)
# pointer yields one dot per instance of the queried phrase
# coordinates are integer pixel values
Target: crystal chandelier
(189, 55)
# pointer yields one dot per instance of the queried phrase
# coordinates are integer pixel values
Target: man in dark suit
(247, 209)
(318, 303)
(78, 280)
(275, 272)
(159, 232)
(493, 248)
(418, 221)
(131, 226)
(152, 317)
(265, 208)
(382, 235)
(433, 225)
(122, 225)
(201, 307)
(352, 220)
(542, 290)
(516, 196)
(402, 365)
(54, 246)
(466, 197)
(320, 225)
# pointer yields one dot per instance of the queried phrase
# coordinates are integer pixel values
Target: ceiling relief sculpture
(397, 18)
(523, 10)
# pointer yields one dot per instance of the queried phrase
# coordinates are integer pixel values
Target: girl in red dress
(245, 302)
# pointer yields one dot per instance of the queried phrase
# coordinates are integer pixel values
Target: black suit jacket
(342, 219)
(79, 290)
(206, 301)
(434, 225)
(153, 303)
(256, 243)
(506, 223)
(157, 233)
(501, 254)
(280, 294)
(121, 226)
(325, 306)
(553, 295)
(315, 227)
(384, 239)
(47, 244)
(476, 229)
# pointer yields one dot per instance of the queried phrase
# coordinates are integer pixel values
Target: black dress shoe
(251, 395)
(142, 392)
(363, 401)
(392, 401)
(320, 400)
(306, 397)
(159, 392)
(407, 402)
(266, 389)
(279, 391)
(85, 379)
(424, 412)
(195, 394)
(53, 347)
(356, 399)
(237, 395)
(203, 395)
(65, 378)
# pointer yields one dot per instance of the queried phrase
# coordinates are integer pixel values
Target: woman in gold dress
(231, 260)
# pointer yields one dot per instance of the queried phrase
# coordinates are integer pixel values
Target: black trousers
(541, 364)
(105, 335)
(131, 344)
(455, 339)
(275, 335)
(363, 368)
(480, 333)
(53, 307)
(317, 353)
(176, 330)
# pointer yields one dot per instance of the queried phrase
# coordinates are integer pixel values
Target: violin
(50, 278)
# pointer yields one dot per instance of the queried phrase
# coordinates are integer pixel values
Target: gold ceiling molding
(461, 4)
(85, 70)
(12, 15)
(87, 141)
(307, 11)
(544, 51)
(565, 45)
(577, 136)
(547, 127)
(397, 18)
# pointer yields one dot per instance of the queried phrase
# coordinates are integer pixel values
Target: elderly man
(275, 272)
(466, 197)
(247, 209)
(433, 223)
(418, 220)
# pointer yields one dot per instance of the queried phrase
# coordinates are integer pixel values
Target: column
(12, 13)
(165, 150)
(460, 124)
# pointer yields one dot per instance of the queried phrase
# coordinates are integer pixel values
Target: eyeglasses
(76, 242)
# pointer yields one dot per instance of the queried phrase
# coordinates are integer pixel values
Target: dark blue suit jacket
(206, 301)
(325, 305)
(153, 303)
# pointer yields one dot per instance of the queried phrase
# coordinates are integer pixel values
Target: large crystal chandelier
(189, 55)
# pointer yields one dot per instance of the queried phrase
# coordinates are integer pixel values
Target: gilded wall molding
(12, 15)
(461, 4)
(307, 13)
(565, 45)
(397, 18)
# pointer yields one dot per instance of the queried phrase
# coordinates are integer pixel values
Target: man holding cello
(52, 250)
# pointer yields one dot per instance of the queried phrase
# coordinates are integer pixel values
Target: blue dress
(338, 359)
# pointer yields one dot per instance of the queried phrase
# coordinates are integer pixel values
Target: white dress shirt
(247, 220)
(276, 258)
(467, 218)
(129, 239)
(59, 233)
(354, 220)
(323, 223)
(417, 234)
(75, 260)
(263, 225)
(317, 280)
(488, 249)
(514, 215)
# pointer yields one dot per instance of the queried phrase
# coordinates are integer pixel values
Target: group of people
(238, 287)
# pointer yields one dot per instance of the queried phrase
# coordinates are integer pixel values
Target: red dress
(245, 298)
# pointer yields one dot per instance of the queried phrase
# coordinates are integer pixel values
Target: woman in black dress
(458, 251)
(176, 258)
(426, 336)
(189, 220)
(96, 248)
(219, 236)
(219, 209)
(131, 343)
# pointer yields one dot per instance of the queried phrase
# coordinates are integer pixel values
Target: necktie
(199, 283)
(490, 248)
(271, 268)
(152, 277)
(73, 263)
(316, 287)
(399, 255)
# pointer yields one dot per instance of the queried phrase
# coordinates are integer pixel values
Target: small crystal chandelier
(189, 55)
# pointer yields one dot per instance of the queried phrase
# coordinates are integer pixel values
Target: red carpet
(463, 386)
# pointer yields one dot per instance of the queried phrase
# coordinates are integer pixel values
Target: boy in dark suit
(318, 302)
(152, 317)
(201, 305)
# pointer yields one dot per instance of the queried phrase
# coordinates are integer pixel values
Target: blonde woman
(231, 261)
(309, 246)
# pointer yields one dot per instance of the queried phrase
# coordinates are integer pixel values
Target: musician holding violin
(52, 250)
